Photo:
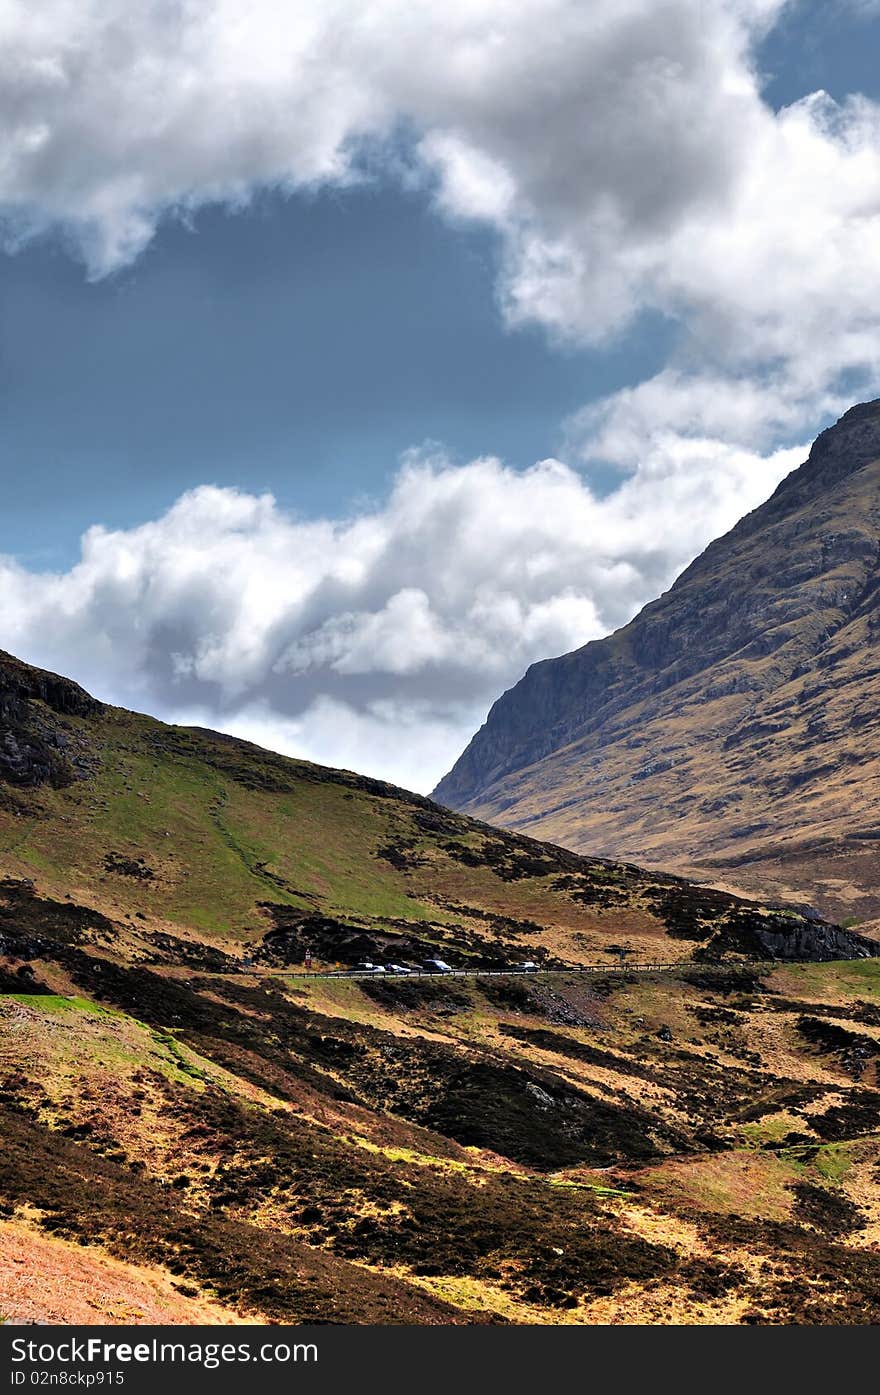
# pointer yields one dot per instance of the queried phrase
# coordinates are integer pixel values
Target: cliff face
(736, 720)
(37, 745)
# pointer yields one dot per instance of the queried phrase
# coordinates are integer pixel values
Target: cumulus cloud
(623, 154)
(379, 641)
(628, 110)
(621, 150)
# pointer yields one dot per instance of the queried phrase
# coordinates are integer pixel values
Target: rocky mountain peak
(853, 440)
(838, 452)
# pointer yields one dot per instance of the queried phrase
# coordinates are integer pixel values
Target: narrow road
(353, 975)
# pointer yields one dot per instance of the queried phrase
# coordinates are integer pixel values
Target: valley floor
(186, 1147)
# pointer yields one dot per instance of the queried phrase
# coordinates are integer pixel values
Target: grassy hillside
(174, 832)
(190, 1137)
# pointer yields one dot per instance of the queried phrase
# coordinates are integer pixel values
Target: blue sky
(298, 347)
(817, 44)
(292, 305)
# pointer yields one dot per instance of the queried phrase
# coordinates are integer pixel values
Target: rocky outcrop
(62, 695)
(789, 941)
(37, 746)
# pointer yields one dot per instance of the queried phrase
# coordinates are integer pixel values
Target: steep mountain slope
(190, 1135)
(733, 727)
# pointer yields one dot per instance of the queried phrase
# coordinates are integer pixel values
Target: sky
(355, 356)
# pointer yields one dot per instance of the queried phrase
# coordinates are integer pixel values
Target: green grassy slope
(190, 833)
(188, 1134)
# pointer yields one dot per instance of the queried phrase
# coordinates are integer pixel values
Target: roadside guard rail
(346, 975)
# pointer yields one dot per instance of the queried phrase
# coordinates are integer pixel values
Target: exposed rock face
(802, 940)
(37, 746)
(736, 719)
(21, 680)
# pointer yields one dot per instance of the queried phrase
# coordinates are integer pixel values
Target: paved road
(348, 976)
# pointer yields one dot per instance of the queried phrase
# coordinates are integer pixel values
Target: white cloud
(621, 149)
(623, 154)
(376, 642)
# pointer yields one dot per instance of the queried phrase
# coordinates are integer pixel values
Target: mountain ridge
(721, 662)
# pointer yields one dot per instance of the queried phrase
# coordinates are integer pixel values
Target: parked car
(528, 967)
(397, 969)
(437, 966)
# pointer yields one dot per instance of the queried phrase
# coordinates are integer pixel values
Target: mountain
(732, 729)
(169, 830)
(189, 1134)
